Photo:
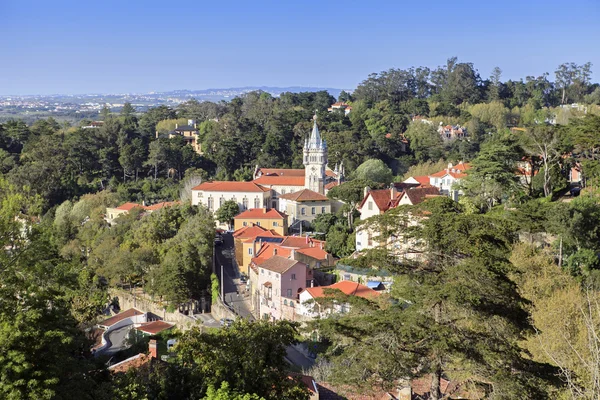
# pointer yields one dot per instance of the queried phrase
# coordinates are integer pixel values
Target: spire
(315, 141)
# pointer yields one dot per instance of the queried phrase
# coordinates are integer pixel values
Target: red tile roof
(304, 195)
(164, 204)
(225, 186)
(315, 252)
(128, 206)
(445, 172)
(331, 185)
(330, 173)
(347, 287)
(279, 264)
(268, 250)
(132, 362)
(277, 180)
(121, 316)
(282, 172)
(249, 231)
(382, 198)
(301, 242)
(154, 327)
(260, 213)
(422, 179)
(418, 194)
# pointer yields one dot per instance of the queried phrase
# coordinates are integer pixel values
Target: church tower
(315, 160)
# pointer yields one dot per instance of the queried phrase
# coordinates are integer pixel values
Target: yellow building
(270, 219)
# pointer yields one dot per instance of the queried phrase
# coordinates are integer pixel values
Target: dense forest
(507, 297)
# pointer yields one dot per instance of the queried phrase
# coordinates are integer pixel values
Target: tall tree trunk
(435, 392)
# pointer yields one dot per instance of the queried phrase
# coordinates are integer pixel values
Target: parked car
(218, 240)
(226, 321)
(243, 278)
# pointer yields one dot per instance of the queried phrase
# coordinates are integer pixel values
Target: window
(277, 276)
(262, 271)
(313, 210)
(282, 191)
(275, 223)
(258, 223)
(303, 211)
(269, 273)
(347, 277)
(210, 203)
(322, 210)
(250, 250)
(285, 302)
(370, 206)
(291, 304)
(245, 204)
(369, 239)
(293, 277)
(245, 223)
(221, 200)
(257, 203)
(289, 293)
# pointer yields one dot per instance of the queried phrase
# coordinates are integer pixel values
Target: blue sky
(133, 46)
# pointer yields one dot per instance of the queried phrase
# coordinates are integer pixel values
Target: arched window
(257, 203)
(285, 302)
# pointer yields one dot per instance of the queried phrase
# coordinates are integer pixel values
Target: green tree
(425, 142)
(227, 211)
(373, 170)
(456, 307)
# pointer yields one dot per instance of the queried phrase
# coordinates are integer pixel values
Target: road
(116, 341)
(225, 256)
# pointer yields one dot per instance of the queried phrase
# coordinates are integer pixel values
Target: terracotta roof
(331, 185)
(315, 252)
(347, 287)
(260, 213)
(382, 198)
(282, 172)
(132, 362)
(304, 195)
(279, 264)
(301, 242)
(417, 195)
(280, 180)
(422, 179)
(121, 316)
(267, 284)
(330, 173)
(128, 206)
(164, 204)
(249, 231)
(154, 327)
(226, 186)
(455, 175)
(268, 251)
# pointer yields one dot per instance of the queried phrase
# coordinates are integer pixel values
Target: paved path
(225, 255)
(117, 340)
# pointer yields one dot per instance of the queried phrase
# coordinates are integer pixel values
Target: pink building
(280, 281)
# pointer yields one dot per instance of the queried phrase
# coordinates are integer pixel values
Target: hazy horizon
(133, 47)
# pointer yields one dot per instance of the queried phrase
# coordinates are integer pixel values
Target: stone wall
(128, 300)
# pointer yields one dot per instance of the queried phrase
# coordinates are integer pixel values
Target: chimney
(293, 254)
(264, 210)
(449, 166)
(176, 126)
(312, 283)
(152, 347)
(366, 191)
(393, 192)
(321, 245)
(275, 251)
(307, 238)
(254, 247)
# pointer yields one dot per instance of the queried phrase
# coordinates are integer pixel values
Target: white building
(247, 195)
(446, 179)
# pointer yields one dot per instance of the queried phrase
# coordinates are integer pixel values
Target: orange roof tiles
(304, 195)
(347, 287)
(301, 242)
(164, 204)
(330, 173)
(128, 206)
(268, 250)
(455, 175)
(154, 327)
(422, 179)
(121, 316)
(132, 362)
(331, 185)
(279, 264)
(315, 252)
(280, 180)
(417, 195)
(383, 199)
(260, 213)
(282, 172)
(225, 186)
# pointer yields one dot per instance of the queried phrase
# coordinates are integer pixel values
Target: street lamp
(222, 286)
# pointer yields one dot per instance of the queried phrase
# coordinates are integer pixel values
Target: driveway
(116, 341)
